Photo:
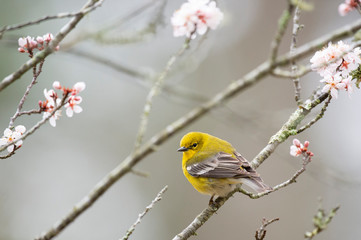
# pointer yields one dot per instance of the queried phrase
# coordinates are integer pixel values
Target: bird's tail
(257, 184)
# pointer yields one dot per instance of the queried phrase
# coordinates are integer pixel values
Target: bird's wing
(223, 165)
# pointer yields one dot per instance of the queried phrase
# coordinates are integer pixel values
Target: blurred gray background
(56, 167)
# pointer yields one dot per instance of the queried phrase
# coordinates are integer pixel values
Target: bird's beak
(182, 149)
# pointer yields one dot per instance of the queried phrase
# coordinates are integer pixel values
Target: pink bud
(40, 40)
(56, 85)
(296, 142)
(78, 87)
(22, 42)
(306, 144)
(22, 50)
(48, 37)
(343, 9)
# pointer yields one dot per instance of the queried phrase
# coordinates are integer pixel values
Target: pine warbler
(214, 167)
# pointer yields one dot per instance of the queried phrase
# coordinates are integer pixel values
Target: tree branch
(147, 209)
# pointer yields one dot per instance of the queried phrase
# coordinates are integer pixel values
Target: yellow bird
(214, 167)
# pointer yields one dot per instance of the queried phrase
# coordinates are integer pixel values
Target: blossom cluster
(28, 44)
(298, 148)
(11, 136)
(335, 63)
(196, 16)
(348, 6)
(52, 101)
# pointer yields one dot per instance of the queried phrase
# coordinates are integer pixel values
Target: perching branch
(147, 209)
(40, 56)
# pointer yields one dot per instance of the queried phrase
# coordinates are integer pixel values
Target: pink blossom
(48, 37)
(12, 136)
(195, 16)
(343, 9)
(348, 85)
(348, 6)
(52, 102)
(72, 105)
(298, 148)
(78, 87)
(27, 44)
(336, 57)
(56, 85)
(333, 84)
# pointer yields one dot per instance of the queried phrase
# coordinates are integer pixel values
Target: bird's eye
(194, 145)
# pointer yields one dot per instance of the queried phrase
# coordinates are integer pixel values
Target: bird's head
(191, 143)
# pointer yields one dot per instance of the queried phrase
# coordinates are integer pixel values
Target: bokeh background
(56, 167)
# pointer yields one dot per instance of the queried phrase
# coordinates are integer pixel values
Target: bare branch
(18, 112)
(114, 65)
(37, 21)
(282, 26)
(318, 117)
(155, 90)
(306, 160)
(294, 67)
(261, 232)
(140, 217)
(301, 71)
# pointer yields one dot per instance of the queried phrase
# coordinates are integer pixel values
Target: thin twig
(18, 113)
(37, 21)
(321, 221)
(301, 71)
(156, 88)
(130, 15)
(294, 67)
(306, 160)
(261, 232)
(40, 56)
(108, 35)
(114, 65)
(282, 26)
(149, 207)
(318, 117)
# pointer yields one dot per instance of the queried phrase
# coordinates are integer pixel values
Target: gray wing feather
(223, 165)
